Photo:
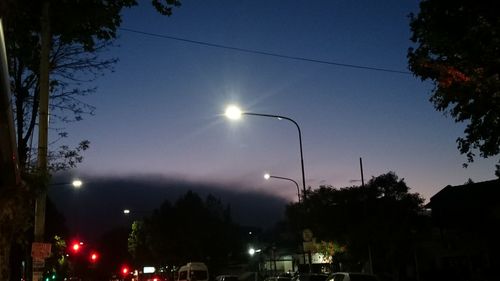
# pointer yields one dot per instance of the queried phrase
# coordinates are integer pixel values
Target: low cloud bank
(98, 205)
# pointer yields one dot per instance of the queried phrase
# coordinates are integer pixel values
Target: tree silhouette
(190, 230)
(80, 31)
(380, 217)
(456, 47)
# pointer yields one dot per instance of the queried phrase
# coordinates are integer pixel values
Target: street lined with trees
(379, 223)
(57, 45)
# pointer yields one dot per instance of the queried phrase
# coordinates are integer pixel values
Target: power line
(251, 51)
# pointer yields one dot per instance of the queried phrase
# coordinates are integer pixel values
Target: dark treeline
(379, 221)
(380, 227)
(191, 229)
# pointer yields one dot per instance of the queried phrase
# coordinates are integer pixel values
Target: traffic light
(124, 270)
(76, 246)
(94, 257)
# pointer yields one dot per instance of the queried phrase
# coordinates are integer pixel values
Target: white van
(193, 271)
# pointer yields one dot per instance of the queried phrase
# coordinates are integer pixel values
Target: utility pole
(366, 213)
(361, 168)
(43, 121)
(43, 118)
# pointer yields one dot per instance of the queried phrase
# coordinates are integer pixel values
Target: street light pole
(234, 112)
(268, 176)
(43, 123)
(300, 143)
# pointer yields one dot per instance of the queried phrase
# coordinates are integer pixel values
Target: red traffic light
(125, 270)
(94, 256)
(75, 247)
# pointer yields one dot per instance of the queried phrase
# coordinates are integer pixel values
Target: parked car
(351, 276)
(310, 277)
(193, 271)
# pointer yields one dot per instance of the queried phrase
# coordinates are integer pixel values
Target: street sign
(40, 251)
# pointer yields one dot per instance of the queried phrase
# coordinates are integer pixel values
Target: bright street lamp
(133, 213)
(77, 183)
(268, 176)
(252, 251)
(233, 112)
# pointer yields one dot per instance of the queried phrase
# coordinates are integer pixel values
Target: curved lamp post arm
(300, 143)
(282, 178)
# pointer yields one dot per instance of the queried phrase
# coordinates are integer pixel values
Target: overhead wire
(265, 53)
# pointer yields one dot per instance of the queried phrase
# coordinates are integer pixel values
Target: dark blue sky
(160, 112)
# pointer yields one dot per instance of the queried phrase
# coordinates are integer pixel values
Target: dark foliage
(456, 47)
(79, 32)
(381, 217)
(189, 230)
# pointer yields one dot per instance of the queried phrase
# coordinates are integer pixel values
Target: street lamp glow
(251, 251)
(267, 176)
(233, 112)
(77, 183)
(126, 211)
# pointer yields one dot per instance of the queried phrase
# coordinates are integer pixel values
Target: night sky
(159, 116)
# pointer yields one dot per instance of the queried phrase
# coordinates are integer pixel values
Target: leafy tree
(190, 229)
(456, 47)
(79, 32)
(379, 217)
(136, 242)
(57, 263)
(78, 39)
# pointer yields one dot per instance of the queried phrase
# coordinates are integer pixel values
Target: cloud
(98, 205)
